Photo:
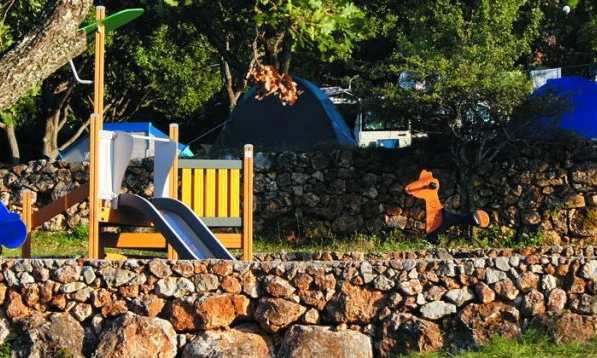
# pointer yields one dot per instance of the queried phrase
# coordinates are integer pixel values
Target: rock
(556, 300)
(476, 323)
(148, 305)
(132, 335)
(566, 327)
(57, 335)
(313, 298)
(311, 316)
(493, 275)
(354, 304)
(67, 273)
(232, 285)
(245, 340)
(88, 275)
(502, 263)
(7, 330)
(205, 282)
(484, 293)
(82, 311)
(206, 312)
(506, 289)
(278, 287)
(383, 283)
(589, 270)
(411, 287)
(15, 307)
(159, 268)
(548, 283)
(586, 304)
(116, 277)
(460, 296)
(174, 287)
(437, 309)
(318, 341)
(527, 281)
(274, 314)
(222, 268)
(115, 308)
(403, 333)
(532, 304)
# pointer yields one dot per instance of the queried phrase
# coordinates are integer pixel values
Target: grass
(73, 243)
(529, 345)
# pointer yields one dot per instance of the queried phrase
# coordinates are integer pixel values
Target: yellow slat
(187, 188)
(210, 193)
(199, 192)
(235, 193)
(230, 240)
(222, 193)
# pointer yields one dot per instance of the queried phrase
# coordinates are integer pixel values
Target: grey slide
(181, 227)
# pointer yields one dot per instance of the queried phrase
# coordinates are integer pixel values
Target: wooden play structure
(210, 188)
(438, 219)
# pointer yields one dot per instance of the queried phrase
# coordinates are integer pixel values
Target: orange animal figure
(439, 219)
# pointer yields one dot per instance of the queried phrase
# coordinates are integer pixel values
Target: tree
(267, 32)
(51, 41)
(468, 60)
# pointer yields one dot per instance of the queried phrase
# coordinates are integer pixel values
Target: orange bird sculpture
(438, 219)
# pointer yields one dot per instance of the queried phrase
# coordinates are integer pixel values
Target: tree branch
(45, 49)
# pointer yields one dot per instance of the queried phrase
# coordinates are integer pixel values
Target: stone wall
(358, 305)
(547, 189)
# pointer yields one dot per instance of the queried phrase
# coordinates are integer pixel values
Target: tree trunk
(14, 145)
(44, 50)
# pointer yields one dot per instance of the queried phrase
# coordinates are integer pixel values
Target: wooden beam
(60, 205)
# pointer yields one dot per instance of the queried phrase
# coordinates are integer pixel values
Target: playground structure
(438, 219)
(13, 231)
(181, 232)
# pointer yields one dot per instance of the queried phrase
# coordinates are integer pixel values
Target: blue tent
(312, 120)
(79, 151)
(579, 116)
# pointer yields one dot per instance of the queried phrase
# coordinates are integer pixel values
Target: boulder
(319, 341)
(246, 340)
(354, 304)
(566, 327)
(206, 312)
(274, 314)
(476, 323)
(59, 334)
(437, 309)
(403, 333)
(132, 335)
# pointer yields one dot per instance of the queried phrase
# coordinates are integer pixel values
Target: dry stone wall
(336, 304)
(550, 189)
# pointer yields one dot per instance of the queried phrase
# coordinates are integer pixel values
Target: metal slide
(181, 227)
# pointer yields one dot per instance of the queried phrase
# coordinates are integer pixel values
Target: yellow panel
(210, 193)
(222, 193)
(235, 193)
(230, 240)
(187, 188)
(199, 190)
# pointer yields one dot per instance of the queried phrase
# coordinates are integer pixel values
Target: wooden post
(248, 204)
(100, 36)
(27, 218)
(173, 181)
(97, 120)
(94, 202)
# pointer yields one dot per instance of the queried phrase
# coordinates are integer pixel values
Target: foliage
(532, 343)
(5, 350)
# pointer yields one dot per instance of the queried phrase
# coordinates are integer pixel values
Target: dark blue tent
(312, 120)
(579, 115)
